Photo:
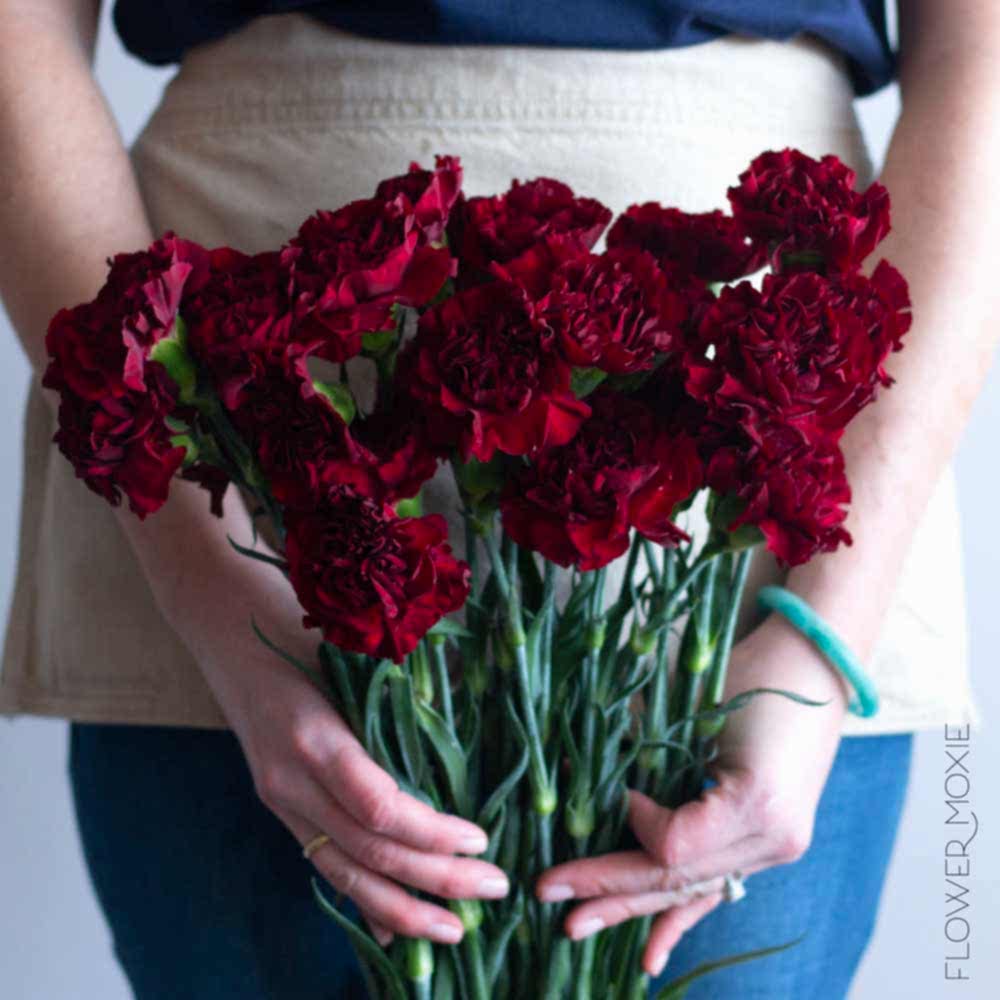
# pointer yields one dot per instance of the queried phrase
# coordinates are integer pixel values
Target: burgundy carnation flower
(488, 372)
(99, 349)
(503, 227)
(430, 194)
(576, 504)
(304, 446)
(805, 349)
(114, 399)
(373, 582)
(239, 319)
(794, 490)
(809, 212)
(120, 444)
(711, 246)
(349, 267)
(615, 311)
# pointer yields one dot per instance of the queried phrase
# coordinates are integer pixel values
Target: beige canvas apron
(286, 116)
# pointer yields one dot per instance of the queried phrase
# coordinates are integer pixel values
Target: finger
(668, 928)
(679, 838)
(607, 911)
(637, 872)
(440, 874)
(385, 902)
(374, 799)
(381, 934)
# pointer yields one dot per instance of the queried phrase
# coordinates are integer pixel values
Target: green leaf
(450, 627)
(367, 948)
(339, 397)
(449, 753)
(407, 734)
(314, 675)
(378, 342)
(677, 989)
(500, 938)
(259, 556)
(374, 739)
(583, 381)
(503, 791)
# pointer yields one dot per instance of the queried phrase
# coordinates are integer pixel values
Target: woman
(200, 765)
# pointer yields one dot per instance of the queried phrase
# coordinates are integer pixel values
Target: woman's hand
(775, 755)
(307, 765)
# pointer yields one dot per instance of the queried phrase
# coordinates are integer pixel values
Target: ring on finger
(314, 845)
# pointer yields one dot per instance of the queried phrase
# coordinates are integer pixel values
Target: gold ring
(314, 845)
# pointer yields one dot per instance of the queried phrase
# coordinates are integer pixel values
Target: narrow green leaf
(500, 938)
(259, 556)
(314, 675)
(367, 948)
(677, 989)
(449, 753)
(374, 738)
(403, 700)
(503, 791)
(449, 627)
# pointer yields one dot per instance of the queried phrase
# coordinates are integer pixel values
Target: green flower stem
(716, 681)
(470, 912)
(437, 643)
(420, 967)
(583, 979)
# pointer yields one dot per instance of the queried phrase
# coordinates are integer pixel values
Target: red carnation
(239, 316)
(430, 194)
(503, 227)
(805, 349)
(304, 446)
(576, 504)
(349, 267)
(711, 246)
(615, 311)
(121, 445)
(795, 491)
(373, 582)
(489, 374)
(99, 349)
(809, 212)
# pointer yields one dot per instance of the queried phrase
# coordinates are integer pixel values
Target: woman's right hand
(307, 765)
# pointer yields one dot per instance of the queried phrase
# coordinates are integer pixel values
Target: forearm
(68, 200)
(68, 196)
(940, 174)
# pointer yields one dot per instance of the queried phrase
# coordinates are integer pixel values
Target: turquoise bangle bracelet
(792, 607)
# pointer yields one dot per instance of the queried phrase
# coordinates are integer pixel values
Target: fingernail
(494, 888)
(660, 963)
(383, 938)
(588, 927)
(474, 843)
(556, 893)
(445, 933)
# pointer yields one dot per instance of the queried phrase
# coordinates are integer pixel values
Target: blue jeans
(207, 894)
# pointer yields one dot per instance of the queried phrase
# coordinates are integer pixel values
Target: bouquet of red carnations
(582, 402)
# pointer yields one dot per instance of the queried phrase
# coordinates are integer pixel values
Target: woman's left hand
(774, 758)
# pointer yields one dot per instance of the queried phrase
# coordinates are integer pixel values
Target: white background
(53, 941)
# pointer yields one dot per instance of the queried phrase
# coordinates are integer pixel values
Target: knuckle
(269, 784)
(378, 810)
(344, 877)
(381, 855)
(793, 843)
(308, 741)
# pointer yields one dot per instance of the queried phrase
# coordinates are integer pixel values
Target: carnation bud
(580, 818)
(419, 960)
(469, 911)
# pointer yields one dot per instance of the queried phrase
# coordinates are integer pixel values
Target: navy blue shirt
(160, 33)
